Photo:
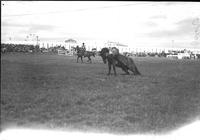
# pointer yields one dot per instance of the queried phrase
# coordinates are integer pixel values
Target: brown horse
(116, 59)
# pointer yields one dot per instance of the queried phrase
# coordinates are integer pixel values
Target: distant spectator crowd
(24, 48)
(19, 48)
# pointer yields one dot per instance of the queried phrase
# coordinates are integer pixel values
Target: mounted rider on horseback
(81, 52)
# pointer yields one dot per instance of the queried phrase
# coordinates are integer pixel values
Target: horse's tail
(134, 68)
(136, 71)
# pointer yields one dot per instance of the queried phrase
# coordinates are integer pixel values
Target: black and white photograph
(118, 70)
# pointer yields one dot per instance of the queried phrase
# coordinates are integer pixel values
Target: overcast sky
(142, 24)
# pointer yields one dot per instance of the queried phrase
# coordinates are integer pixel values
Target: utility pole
(37, 40)
(172, 44)
(10, 40)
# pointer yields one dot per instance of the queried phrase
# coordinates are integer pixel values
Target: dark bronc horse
(114, 58)
(83, 53)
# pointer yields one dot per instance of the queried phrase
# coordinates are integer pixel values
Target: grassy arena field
(51, 91)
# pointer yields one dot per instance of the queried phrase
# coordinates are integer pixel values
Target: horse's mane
(104, 50)
(114, 51)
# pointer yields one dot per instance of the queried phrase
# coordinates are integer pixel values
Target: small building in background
(122, 48)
